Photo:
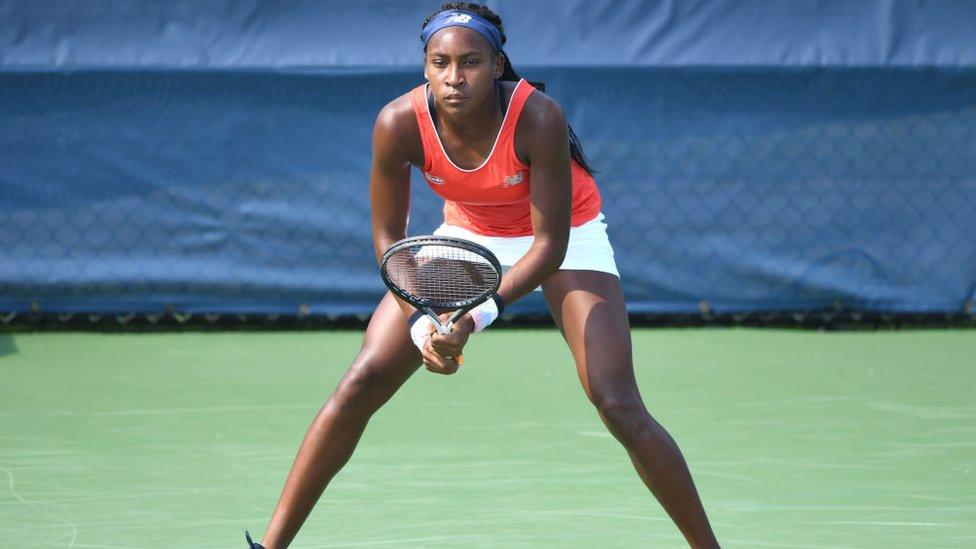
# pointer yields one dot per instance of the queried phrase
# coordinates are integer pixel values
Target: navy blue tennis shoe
(250, 542)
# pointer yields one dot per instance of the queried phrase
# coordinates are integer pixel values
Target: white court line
(198, 409)
(598, 434)
(581, 513)
(74, 530)
(398, 541)
(141, 495)
(885, 523)
(774, 507)
(754, 543)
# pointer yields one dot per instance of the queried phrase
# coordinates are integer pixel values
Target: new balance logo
(434, 179)
(512, 180)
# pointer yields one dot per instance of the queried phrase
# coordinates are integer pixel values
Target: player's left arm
(545, 141)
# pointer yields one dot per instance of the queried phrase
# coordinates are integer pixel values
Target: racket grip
(445, 329)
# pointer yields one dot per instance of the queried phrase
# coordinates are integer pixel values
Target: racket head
(440, 272)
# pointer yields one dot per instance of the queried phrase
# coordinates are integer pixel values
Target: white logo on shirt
(434, 179)
(512, 180)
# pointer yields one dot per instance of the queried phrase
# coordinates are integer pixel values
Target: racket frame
(430, 307)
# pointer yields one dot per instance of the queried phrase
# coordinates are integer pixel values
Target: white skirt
(589, 247)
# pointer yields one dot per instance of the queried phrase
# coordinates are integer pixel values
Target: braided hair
(509, 74)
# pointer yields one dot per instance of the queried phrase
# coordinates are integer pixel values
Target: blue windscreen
(752, 156)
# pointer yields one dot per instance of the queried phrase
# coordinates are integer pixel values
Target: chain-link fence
(728, 193)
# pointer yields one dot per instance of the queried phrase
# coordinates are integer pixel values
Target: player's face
(461, 68)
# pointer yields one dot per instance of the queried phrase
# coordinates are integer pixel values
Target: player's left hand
(452, 344)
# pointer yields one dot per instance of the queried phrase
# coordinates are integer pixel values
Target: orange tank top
(493, 199)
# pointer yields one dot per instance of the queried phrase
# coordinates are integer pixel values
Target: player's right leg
(387, 359)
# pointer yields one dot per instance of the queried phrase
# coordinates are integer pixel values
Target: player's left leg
(589, 308)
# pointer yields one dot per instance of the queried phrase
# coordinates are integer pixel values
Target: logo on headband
(459, 18)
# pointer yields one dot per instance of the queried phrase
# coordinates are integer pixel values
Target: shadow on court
(7, 345)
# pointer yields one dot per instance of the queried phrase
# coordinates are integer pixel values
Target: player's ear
(499, 65)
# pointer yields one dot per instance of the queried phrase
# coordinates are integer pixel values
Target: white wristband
(420, 331)
(484, 314)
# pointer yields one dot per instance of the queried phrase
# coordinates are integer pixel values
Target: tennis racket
(441, 274)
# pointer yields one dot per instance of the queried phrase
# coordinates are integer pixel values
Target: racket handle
(445, 329)
(441, 328)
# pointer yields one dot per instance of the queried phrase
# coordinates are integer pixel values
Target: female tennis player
(499, 151)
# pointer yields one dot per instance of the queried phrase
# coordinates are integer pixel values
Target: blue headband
(455, 18)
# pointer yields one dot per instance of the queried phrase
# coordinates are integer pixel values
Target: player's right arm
(395, 143)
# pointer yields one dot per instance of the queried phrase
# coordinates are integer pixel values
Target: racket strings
(443, 276)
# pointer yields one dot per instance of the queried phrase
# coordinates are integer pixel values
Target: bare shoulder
(397, 116)
(542, 112)
(396, 130)
(541, 127)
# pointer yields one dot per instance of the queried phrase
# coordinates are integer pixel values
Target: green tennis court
(796, 439)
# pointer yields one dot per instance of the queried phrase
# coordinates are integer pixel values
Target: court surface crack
(10, 486)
